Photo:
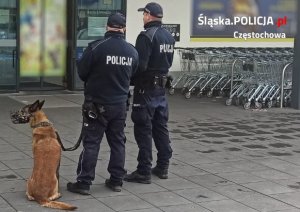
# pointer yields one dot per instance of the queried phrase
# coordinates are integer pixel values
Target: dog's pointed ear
(34, 107)
(41, 104)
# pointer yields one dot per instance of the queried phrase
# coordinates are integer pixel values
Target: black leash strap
(71, 148)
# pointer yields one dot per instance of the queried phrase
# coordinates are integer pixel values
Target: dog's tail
(57, 205)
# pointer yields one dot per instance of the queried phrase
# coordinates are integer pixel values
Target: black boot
(138, 178)
(79, 188)
(117, 187)
(161, 173)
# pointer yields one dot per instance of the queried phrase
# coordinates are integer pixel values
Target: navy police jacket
(155, 46)
(106, 67)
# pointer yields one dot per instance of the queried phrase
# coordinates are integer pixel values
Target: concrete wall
(179, 12)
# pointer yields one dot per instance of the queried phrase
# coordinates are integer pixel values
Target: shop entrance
(40, 40)
(42, 44)
(8, 38)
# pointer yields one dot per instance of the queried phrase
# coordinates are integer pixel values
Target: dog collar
(43, 124)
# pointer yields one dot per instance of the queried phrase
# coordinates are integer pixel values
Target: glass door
(8, 50)
(91, 18)
(43, 44)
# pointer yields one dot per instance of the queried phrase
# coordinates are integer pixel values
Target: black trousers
(150, 116)
(112, 124)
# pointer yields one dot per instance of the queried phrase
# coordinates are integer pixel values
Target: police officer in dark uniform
(155, 46)
(106, 67)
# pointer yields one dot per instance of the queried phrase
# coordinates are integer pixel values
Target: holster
(160, 81)
(93, 112)
(90, 111)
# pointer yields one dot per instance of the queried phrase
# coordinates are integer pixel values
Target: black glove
(128, 101)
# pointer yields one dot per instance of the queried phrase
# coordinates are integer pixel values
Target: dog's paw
(30, 198)
(55, 196)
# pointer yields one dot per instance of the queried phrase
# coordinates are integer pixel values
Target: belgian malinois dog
(43, 185)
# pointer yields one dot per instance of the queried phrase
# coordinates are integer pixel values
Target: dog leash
(49, 124)
(71, 148)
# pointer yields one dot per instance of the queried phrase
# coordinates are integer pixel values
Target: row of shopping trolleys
(251, 77)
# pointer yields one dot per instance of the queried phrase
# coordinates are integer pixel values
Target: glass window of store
(43, 44)
(91, 23)
(8, 34)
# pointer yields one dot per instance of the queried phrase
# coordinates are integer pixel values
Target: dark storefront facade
(40, 40)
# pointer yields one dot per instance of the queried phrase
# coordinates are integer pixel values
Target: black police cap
(153, 9)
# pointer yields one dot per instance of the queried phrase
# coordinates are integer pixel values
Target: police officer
(155, 46)
(106, 67)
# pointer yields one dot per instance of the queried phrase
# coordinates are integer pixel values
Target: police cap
(153, 9)
(116, 20)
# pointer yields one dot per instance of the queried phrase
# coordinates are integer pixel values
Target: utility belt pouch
(156, 81)
(160, 81)
(89, 110)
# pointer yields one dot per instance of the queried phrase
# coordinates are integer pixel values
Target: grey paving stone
(9, 175)
(4, 156)
(272, 174)
(146, 210)
(215, 168)
(288, 210)
(240, 177)
(17, 198)
(137, 188)
(12, 186)
(295, 159)
(263, 203)
(176, 184)
(8, 148)
(192, 158)
(7, 209)
(185, 208)
(18, 164)
(268, 187)
(246, 165)
(86, 205)
(291, 198)
(227, 205)
(123, 203)
(184, 170)
(160, 199)
(233, 191)
(290, 183)
(215, 165)
(222, 157)
(91, 205)
(24, 172)
(209, 180)
(3, 167)
(200, 194)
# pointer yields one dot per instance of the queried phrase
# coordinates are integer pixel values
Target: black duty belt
(149, 82)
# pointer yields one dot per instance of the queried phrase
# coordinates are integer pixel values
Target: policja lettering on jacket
(118, 60)
(167, 48)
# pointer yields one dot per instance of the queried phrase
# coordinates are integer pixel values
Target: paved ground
(225, 159)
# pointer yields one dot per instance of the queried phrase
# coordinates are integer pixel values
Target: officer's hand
(169, 82)
(128, 101)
